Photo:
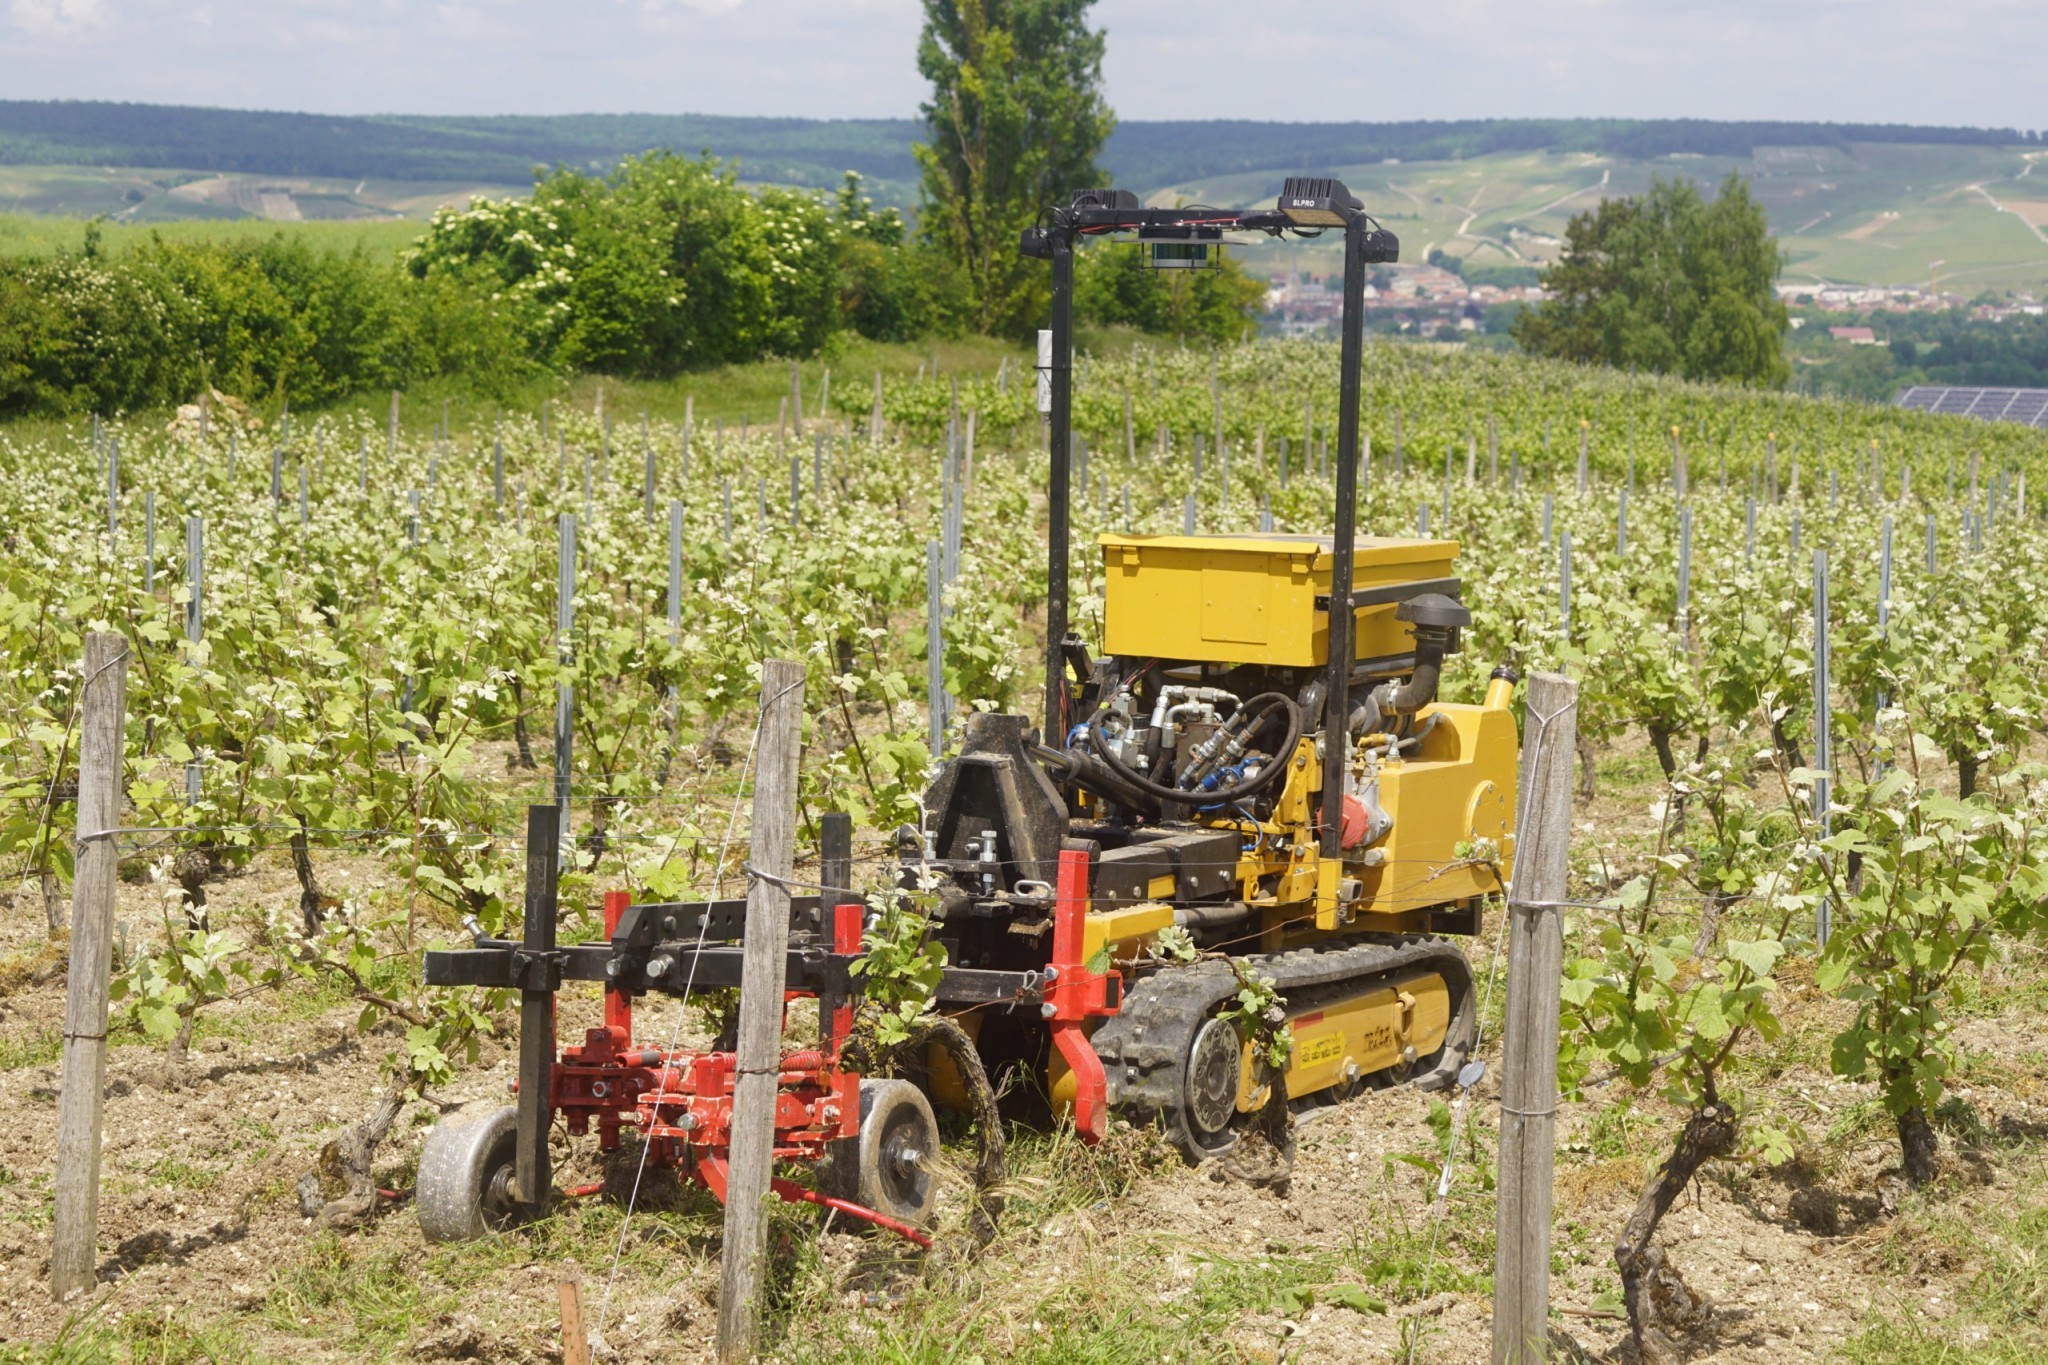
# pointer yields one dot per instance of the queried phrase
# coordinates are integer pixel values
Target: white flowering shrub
(665, 264)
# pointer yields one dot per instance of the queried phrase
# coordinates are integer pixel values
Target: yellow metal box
(1254, 599)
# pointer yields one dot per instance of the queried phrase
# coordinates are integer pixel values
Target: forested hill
(504, 149)
(501, 150)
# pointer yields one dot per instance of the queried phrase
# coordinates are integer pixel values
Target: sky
(1973, 62)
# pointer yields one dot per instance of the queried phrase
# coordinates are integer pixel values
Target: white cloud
(701, 6)
(55, 18)
(1960, 61)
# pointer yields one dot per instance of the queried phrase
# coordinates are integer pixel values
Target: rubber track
(1144, 1048)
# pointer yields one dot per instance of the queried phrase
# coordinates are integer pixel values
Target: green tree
(1016, 119)
(890, 289)
(1112, 285)
(1667, 282)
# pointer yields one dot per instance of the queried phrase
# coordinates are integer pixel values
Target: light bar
(1317, 202)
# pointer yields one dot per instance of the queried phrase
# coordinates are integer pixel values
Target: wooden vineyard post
(771, 851)
(575, 1341)
(1521, 1275)
(74, 1244)
(531, 1166)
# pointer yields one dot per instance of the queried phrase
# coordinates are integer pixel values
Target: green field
(42, 206)
(23, 235)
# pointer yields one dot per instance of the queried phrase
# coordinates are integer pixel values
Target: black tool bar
(715, 967)
(506, 965)
(1115, 220)
(814, 969)
(974, 986)
(723, 921)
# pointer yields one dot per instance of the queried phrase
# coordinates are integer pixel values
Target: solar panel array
(2029, 406)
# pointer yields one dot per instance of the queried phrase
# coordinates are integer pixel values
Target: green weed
(41, 1048)
(365, 1298)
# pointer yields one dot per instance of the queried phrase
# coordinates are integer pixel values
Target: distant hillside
(1155, 154)
(504, 149)
(501, 150)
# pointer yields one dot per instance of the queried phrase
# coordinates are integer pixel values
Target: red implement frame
(682, 1100)
(1073, 993)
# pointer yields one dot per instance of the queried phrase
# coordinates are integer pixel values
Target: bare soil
(203, 1240)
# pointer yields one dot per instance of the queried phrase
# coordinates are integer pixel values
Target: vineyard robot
(1258, 759)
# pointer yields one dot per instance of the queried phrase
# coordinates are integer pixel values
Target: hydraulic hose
(1079, 766)
(1265, 702)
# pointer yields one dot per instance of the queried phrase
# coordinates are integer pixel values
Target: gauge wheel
(891, 1166)
(465, 1179)
(1211, 1091)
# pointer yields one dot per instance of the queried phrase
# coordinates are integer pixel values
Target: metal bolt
(1052, 974)
(1046, 1011)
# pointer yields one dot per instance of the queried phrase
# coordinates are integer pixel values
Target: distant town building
(1855, 336)
(1415, 295)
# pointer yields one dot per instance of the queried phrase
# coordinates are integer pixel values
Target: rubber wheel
(465, 1182)
(889, 1167)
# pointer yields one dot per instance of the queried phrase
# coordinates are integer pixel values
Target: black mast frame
(1365, 242)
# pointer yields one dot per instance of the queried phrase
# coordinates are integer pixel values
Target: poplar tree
(1015, 120)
